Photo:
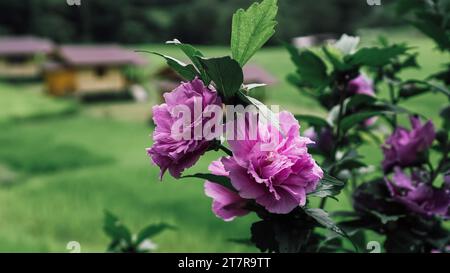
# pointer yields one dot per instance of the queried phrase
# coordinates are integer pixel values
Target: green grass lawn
(63, 172)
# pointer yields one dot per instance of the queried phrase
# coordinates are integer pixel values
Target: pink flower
(168, 151)
(227, 204)
(275, 169)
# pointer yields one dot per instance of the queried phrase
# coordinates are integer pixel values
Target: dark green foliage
(123, 241)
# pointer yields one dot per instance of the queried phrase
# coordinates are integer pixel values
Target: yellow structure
(90, 69)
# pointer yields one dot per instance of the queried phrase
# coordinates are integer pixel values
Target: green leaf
(187, 71)
(192, 53)
(359, 100)
(349, 121)
(151, 231)
(324, 219)
(313, 120)
(375, 56)
(336, 58)
(252, 28)
(226, 74)
(221, 180)
(310, 67)
(385, 218)
(115, 229)
(328, 187)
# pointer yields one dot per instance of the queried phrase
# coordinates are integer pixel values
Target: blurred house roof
(81, 55)
(314, 40)
(24, 45)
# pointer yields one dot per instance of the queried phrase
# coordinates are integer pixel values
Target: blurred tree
(194, 21)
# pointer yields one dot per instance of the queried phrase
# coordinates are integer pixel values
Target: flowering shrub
(269, 168)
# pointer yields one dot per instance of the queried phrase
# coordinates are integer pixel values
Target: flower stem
(225, 149)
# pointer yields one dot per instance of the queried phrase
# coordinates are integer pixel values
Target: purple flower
(227, 204)
(275, 169)
(323, 141)
(363, 85)
(404, 147)
(169, 151)
(418, 196)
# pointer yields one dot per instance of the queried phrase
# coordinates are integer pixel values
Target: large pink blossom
(275, 169)
(168, 151)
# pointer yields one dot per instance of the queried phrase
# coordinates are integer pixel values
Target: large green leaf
(310, 67)
(192, 53)
(187, 71)
(359, 100)
(252, 28)
(115, 229)
(226, 74)
(375, 56)
(328, 187)
(324, 219)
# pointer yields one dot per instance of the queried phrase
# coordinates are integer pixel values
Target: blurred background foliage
(200, 21)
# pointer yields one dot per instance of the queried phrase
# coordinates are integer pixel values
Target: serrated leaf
(192, 53)
(310, 67)
(336, 58)
(225, 73)
(324, 219)
(251, 29)
(375, 56)
(328, 187)
(187, 71)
